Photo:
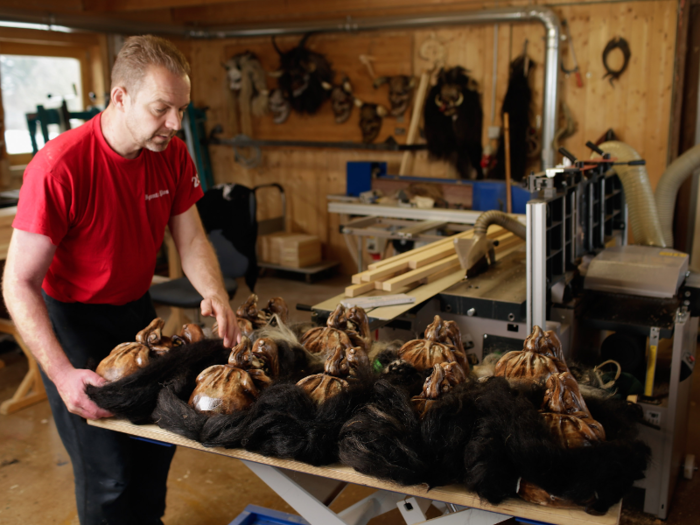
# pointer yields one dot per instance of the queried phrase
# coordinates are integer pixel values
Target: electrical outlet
(653, 417)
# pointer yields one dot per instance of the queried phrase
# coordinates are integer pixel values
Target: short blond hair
(141, 52)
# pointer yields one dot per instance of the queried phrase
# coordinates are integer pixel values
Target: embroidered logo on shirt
(157, 194)
(195, 180)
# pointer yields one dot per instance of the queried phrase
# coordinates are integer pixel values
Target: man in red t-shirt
(91, 217)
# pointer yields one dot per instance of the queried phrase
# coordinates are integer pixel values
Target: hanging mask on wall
(247, 77)
(302, 76)
(342, 101)
(453, 121)
(400, 92)
(371, 117)
(279, 106)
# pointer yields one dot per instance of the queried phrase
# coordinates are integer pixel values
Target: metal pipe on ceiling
(544, 15)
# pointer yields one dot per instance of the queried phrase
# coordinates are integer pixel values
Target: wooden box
(270, 246)
(300, 250)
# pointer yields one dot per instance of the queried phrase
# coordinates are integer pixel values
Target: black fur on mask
(134, 397)
(453, 120)
(304, 77)
(175, 414)
(285, 423)
(511, 442)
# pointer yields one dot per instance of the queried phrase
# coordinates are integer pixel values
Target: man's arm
(28, 260)
(200, 265)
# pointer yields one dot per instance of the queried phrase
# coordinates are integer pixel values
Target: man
(91, 217)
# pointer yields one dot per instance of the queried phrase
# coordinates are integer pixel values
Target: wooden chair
(31, 389)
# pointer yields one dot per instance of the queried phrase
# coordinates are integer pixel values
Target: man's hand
(225, 318)
(71, 387)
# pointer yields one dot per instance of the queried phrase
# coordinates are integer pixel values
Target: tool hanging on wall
(575, 69)
(453, 121)
(621, 44)
(517, 104)
(302, 75)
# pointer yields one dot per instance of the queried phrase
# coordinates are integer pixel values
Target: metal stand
(310, 496)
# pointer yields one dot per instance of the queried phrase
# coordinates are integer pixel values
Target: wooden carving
(571, 424)
(540, 358)
(447, 332)
(224, 389)
(425, 353)
(249, 311)
(259, 318)
(341, 329)
(124, 360)
(444, 378)
(341, 364)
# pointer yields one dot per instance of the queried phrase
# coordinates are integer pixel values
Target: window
(29, 81)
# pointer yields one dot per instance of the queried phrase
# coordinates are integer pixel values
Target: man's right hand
(71, 388)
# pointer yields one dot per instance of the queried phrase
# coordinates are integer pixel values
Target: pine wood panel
(637, 107)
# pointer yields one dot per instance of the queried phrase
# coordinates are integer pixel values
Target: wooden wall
(637, 107)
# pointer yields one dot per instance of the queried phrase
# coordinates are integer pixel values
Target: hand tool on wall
(575, 70)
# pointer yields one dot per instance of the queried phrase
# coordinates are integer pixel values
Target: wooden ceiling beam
(257, 12)
(115, 6)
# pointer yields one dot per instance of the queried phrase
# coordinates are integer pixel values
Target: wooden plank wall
(637, 107)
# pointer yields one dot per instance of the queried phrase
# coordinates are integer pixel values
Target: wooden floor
(36, 479)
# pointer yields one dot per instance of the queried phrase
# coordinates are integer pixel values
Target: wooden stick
(385, 271)
(442, 273)
(358, 289)
(416, 275)
(416, 114)
(506, 137)
(447, 240)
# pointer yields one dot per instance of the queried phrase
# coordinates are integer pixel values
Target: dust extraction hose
(643, 216)
(669, 184)
(488, 218)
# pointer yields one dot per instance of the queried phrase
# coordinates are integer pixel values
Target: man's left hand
(225, 318)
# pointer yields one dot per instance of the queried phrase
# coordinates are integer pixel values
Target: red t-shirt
(105, 214)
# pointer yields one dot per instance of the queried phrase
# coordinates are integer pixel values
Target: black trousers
(118, 479)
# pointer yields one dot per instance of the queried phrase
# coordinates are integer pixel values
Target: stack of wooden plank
(425, 264)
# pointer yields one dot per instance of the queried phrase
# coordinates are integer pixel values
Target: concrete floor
(36, 477)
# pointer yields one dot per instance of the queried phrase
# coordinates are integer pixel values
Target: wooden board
(7, 215)
(449, 494)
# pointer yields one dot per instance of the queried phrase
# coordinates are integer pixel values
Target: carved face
(443, 379)
(322, 387)
(266, 354)
(449, 99)
(152, 336)
(371, 121)
(346, 362)
(400, 91)
(223, 389)
(448, 333)
(276, 306)
(233, 73)
(566, 414)
(191, 333)
(342, 101)
(242, 355)
(123, 360)
(249, 310)
(279, 106)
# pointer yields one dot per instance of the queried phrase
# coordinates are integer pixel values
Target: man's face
(154, 112)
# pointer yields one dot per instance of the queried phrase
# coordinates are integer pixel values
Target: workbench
(309, 490)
